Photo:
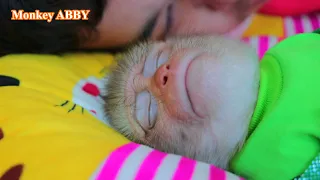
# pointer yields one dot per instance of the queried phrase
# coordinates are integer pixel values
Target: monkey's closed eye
(146, 110)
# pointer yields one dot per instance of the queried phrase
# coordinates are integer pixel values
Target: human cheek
(189, 19)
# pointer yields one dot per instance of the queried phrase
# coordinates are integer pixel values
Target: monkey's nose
(162, 75)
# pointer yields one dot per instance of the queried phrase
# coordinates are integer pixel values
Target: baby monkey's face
(192, 96)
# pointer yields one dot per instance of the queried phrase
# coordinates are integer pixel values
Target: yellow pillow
(52, 126)
(39, 118)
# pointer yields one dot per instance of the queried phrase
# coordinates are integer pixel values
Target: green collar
(269, 90)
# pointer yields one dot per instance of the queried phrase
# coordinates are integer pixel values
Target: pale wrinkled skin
(203, 106)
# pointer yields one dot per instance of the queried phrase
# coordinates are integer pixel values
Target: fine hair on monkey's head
(191, 96)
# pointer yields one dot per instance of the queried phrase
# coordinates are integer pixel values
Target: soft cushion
(52, 126)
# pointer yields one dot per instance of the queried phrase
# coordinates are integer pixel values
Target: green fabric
(313, 171)
(284, 134)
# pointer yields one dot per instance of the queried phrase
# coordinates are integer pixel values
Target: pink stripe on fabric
(242, 179)
(314, 21)
(297, 21)
(113, 164)
(185, 169)
(150, 165)
(217, 174)
(263, 45)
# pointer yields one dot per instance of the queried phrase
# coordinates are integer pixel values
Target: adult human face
(124, 22)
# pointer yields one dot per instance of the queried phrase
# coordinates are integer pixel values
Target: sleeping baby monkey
(184, 95)
(203, 97)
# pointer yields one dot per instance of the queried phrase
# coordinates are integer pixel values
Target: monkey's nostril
(165, 79)
(167, 67)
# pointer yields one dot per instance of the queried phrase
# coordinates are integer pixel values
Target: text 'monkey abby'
(37, 15)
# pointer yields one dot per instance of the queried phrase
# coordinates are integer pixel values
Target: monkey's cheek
(200, 86)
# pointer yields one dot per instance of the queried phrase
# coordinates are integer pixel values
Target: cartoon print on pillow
(14, 172)
(71, 107)
(87, 96)
(1, 134)
(8, 81)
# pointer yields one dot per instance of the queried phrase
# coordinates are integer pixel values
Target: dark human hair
(43, 37)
